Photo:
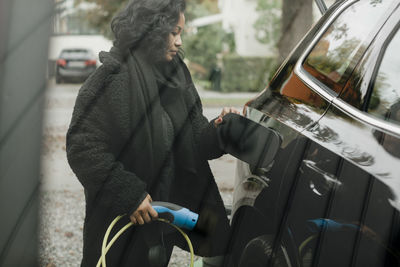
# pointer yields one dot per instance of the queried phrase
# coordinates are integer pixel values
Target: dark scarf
(162, 87)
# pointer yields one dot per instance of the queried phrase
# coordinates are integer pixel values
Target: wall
(240, 16)
(24, 40)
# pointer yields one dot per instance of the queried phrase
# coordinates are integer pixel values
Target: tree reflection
(375, 2)
(356, 92)
(390, 143)
(332, 55)
(326, 134)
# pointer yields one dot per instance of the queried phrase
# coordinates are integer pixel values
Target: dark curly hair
(146, 24)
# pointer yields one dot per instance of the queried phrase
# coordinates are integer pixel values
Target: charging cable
(106, 246)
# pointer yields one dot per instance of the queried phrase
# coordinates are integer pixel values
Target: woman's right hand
(144, 213)
(225, 111)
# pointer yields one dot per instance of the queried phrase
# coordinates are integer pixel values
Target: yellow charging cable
(105, 247)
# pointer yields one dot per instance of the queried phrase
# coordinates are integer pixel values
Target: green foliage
(200, 48)
(195, 10)
(375, 101)
(203, 46)
(101, 15)
(246, 74)
(333, 62)
(200, 8)
(268, 23)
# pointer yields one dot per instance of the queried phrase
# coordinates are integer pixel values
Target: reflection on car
(75, 64)
(330, 196)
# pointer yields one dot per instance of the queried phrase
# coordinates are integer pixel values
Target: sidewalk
(204, 94)
(219, 99)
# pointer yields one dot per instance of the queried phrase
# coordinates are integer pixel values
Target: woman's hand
(225, 111)
(144, 213)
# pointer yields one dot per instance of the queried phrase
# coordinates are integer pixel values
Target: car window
(336, 54)
(75, 53)
(385, 99)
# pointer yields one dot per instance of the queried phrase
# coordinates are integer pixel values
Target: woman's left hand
(225, 111)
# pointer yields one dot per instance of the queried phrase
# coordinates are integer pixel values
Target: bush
(202, 47)
(246, 74)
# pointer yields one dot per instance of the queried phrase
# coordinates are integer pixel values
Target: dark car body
(330, 196)
(75, 64)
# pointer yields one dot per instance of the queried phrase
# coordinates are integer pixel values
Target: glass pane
(334, 57)
(385, 99)
(75, 53)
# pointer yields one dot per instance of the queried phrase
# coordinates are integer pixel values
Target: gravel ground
(62, 214)
(61, 221)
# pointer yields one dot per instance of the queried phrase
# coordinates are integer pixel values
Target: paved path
(211, 94)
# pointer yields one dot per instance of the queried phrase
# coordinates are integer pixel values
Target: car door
(305, 209)
(344, 208)
(365, 121)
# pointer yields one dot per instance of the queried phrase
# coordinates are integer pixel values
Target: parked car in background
(75, 64)
(330, 196)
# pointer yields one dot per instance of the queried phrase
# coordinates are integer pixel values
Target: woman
(138, 134)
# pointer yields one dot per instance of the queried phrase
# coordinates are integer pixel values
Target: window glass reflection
(385, 98)
(334, 57)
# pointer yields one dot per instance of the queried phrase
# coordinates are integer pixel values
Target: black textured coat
(114, 143)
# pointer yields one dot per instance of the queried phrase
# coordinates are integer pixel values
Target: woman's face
(174, 38)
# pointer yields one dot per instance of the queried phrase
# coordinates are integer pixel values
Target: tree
(297, 18)
(268, 24)
(100, 15)
(282, 23)
(201, 46)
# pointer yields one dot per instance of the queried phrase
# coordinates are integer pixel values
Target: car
(329, 195)
(75, 64)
